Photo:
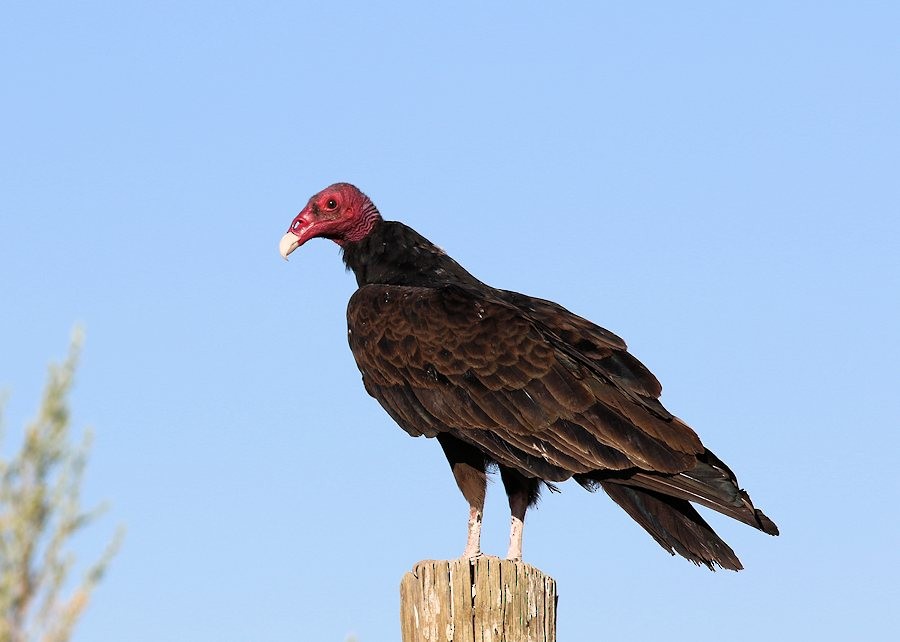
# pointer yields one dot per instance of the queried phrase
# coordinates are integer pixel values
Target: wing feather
(538, 388)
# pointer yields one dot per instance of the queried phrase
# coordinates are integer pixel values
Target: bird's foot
(477, 555)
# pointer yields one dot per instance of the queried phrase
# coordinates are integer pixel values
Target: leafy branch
(40, 512)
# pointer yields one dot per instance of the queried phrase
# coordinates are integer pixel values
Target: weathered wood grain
(483, 600)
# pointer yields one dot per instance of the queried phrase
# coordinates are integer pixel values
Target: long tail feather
(661, 504)
(710, 483)
(675, 525)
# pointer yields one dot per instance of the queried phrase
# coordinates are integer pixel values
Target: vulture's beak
(289, 242)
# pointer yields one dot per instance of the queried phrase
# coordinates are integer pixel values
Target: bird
(510, 382)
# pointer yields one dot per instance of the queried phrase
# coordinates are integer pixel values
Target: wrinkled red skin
(339, 212)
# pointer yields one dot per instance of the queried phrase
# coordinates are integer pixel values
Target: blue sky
(717, 183)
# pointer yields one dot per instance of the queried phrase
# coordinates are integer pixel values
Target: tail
(661, 504)
(675, 525)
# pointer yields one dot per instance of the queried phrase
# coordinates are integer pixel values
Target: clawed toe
(477, 556)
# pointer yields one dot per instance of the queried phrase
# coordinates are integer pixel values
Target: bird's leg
(516, 528)
(473, 542)
(468, 465)
(522, 492)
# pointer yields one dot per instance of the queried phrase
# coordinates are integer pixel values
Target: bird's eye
(295, 225)
(331, 204)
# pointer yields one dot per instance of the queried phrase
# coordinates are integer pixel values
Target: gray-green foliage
(40, 511)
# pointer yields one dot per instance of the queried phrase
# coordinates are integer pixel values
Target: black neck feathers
(394, 254)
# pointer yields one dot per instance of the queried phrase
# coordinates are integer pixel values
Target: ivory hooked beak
(289, 242)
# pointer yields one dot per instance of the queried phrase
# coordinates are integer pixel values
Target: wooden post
(482, 600)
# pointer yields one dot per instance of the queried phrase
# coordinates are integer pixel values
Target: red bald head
(340, 212)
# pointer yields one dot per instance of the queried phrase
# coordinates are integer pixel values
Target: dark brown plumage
(502, 378)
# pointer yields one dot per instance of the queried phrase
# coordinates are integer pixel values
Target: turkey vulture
(508, 380)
